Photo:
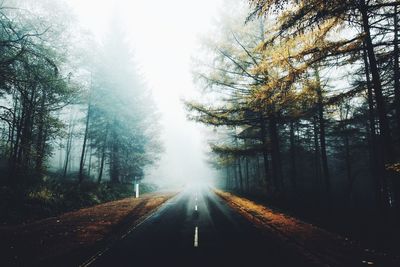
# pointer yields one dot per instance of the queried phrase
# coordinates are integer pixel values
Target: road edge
(89, 261)
(314, 258)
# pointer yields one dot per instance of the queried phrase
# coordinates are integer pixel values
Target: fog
(164, 35)
(294, 104)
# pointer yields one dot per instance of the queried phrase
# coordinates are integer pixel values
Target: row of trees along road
(71, 109)
(307, 103)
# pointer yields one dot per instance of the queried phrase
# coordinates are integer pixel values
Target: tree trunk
(236, 176)
(68, 149)
(265, 146)
(13, 132)
(293, 174)
(240, 174)
(322, 138)
(114, 156)
(258, 171)
(377, 164)
(103, 157)
(228, 178)
(384, 128)
(115, 175)
(317, 154)
(41, 140)
(82, 161)
(24, 152)
(13, 154)
(348, 160)
(275, 155)
(247, 175)
(385, 139)
(90, 162)
(396, 69)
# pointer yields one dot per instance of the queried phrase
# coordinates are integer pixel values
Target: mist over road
(197, 228)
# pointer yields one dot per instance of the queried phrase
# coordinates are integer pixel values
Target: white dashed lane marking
(196, 237)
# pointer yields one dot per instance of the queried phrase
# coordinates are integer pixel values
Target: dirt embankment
(320, 245)
(71, 238)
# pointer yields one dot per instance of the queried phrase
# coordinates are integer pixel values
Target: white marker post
(137, 190)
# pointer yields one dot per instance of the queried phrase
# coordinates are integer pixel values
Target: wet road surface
(197, 228)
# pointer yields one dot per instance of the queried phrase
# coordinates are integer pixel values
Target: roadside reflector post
(137, 190)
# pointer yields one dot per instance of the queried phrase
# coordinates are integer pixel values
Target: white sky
(165, 37)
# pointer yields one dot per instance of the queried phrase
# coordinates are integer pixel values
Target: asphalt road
(197, 228)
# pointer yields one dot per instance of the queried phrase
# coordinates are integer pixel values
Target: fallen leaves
(59, 236)
(320, 244)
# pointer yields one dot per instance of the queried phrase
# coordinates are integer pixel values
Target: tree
(297, 17)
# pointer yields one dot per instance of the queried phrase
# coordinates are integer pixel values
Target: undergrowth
(52, 197)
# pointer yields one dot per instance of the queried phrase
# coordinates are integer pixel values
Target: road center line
(196, 237)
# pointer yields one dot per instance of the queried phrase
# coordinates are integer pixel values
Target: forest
(304, 101)
(260, 132)
(77, 122)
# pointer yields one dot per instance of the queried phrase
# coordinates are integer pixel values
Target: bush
(53, 197)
